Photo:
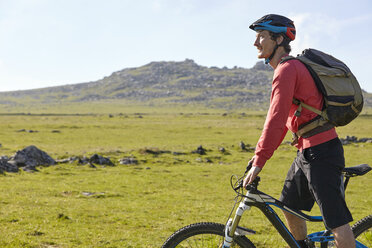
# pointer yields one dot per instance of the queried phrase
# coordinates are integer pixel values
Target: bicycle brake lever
(249, 166)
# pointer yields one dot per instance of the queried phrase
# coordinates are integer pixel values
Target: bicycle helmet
(277, 24)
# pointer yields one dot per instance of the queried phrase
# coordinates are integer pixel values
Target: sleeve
(274, 130)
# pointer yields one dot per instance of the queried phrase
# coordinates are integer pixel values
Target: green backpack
(343, 99)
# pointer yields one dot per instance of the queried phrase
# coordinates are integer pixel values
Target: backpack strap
(286, 58)
(317, 125)
(308, 107)
(302, 104)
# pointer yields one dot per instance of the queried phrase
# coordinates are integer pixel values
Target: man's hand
(253, 172)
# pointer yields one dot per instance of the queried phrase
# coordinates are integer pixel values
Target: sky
(47, 43)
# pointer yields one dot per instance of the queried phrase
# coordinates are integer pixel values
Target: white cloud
(324, 31)
(302, 40)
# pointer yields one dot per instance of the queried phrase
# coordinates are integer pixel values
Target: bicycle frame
(256, 198)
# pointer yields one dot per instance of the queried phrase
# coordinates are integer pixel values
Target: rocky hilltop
(164, 83)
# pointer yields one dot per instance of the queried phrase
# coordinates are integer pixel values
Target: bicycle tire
(363, 231)
(203, 234)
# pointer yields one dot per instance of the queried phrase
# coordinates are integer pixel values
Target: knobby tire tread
(203, 228)
(362, 225)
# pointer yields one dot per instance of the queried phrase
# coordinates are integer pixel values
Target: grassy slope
(140, 205)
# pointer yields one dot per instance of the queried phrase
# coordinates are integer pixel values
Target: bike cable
(239, 196)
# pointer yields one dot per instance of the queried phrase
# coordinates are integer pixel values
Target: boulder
(30, 157)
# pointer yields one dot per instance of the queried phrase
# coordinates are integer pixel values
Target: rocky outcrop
(179, 82)
(261, 66)
(167, 82)
(31, 157)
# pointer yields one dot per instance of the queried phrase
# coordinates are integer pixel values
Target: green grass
(70, 205)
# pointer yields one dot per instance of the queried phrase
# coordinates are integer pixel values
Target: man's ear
(279, 40)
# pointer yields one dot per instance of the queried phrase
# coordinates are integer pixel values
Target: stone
(200, 150)
(352, 139)
(242, 145)
(31, 157)
(97, 159)
(128, 160)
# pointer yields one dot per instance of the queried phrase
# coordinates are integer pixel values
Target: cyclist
(316, 171)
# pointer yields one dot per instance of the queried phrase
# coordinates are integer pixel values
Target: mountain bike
(208, 234)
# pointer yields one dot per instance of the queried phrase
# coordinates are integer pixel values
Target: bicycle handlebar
(251, 186)
(254, 184)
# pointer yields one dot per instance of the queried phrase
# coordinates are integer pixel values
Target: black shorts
(316, 175)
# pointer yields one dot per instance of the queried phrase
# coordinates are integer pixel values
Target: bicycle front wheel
(363, 231)
(206, 235)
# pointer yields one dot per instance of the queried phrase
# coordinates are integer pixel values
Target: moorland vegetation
(168, 184)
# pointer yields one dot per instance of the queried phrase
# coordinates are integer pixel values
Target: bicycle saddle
(358, 170)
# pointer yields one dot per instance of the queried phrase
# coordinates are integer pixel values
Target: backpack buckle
(298, 111)
(294, 139)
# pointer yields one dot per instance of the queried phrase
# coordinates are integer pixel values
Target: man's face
(264, 44)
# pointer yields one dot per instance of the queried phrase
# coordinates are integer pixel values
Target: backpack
(343, 99)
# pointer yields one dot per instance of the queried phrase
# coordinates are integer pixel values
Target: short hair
(285, 42)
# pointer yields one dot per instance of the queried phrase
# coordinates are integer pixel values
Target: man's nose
(256, 43)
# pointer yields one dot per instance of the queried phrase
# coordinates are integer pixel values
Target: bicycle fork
(232, 229)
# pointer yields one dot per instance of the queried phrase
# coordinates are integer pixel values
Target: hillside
(164, 83)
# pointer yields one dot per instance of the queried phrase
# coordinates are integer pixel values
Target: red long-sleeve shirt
(291, 80)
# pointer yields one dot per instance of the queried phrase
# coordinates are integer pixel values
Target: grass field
(70, 205)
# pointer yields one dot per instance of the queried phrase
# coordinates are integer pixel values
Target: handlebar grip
(254, 184)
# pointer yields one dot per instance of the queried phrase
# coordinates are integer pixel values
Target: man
(316, 172)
